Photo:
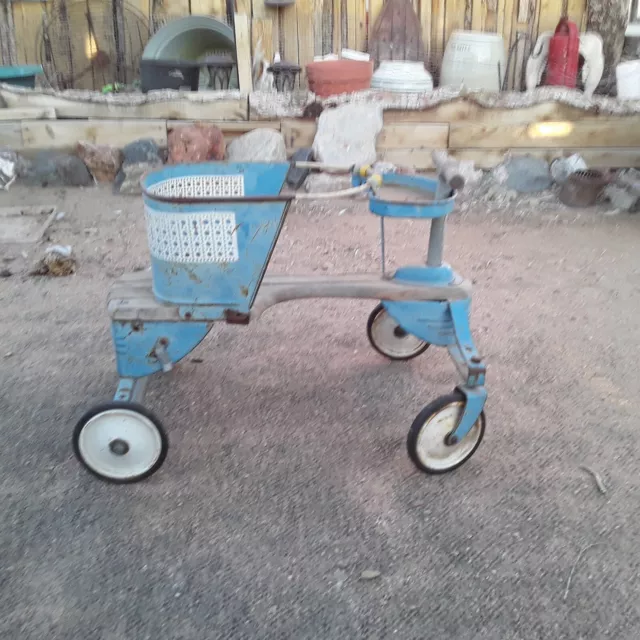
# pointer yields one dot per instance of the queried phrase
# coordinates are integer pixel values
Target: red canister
(564, 54)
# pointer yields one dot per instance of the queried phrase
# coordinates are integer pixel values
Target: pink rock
(198, 142)
(103, 161)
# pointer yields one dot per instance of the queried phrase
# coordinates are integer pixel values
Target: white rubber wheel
(388, 338)
(426, 443)
(120, 442)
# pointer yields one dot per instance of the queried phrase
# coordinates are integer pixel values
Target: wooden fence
(317, 27)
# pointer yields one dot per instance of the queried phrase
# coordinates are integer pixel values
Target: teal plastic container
(21, 76)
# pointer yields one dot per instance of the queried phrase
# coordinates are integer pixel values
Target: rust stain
(244, 291)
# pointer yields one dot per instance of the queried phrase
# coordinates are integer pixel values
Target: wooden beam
(243, 52)
(300, 133)
(65, 134)
(183, 108)
(230, 130)
(466, 111)
(28, 113)
(403, 136)
(622, 132)
(11, 135)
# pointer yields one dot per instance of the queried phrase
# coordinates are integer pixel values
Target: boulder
(526, 174)
(620, 198)
(103, 161)
(259, 145)
(347, 135)
(144, 150)
(55, 169)
(195, 143)
(128, 179)
(139, 157)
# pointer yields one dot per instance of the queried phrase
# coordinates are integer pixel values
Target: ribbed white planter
(402, 76)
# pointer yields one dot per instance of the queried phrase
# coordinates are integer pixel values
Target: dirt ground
(287, 475)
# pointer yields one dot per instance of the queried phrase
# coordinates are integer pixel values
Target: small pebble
(60, 215)
(370, 574)
(8, 354)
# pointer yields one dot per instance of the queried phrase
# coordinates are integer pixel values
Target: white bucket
(475, 60)
(628, 80)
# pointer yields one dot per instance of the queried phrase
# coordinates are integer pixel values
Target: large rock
(103, 161)
(139, 157)
(195, 143)
(54, 169)
(259, 145)
(144, 150)
(620, 198)
(128, 179)
(21, 164)
(347, 135)
(526, 174)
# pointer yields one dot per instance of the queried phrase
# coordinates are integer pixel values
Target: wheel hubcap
(436, 448)
(120, 444)
(119, 447)
(392, 339)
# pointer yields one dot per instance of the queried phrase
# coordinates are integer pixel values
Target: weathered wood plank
(262, 38)
(261, 12)
(361, 26)
(306, 37)
(337, 26)
(216, 8)
(598, 133)
(28, 113)
(404, 136)
(176, 8)
(243, 52)
(64, 134)
(178, 109)
(424, 15)
(289, 37)
(438, 43)
(11, 135)
(230, 130)
(27, 18)
(464, 111)
(455, 15)
(300, 133)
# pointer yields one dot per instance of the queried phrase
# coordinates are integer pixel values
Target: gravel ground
(287, 475)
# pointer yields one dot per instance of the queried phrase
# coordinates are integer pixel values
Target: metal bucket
(211, 230)
(582, 188)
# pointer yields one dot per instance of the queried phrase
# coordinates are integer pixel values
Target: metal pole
(382, 258)
(436, 243)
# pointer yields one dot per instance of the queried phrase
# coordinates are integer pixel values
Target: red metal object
(562, 63)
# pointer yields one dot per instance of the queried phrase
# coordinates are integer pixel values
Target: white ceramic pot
(475, 60)
(402, 76)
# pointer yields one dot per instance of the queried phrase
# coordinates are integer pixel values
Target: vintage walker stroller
(211, 231)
